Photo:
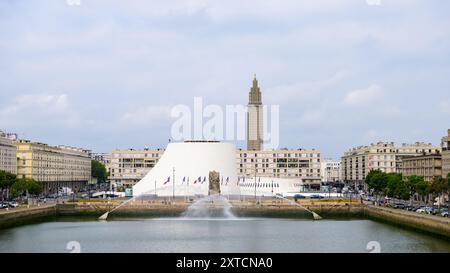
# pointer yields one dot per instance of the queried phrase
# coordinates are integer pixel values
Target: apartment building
(304, 164)
(127, 167)
(54, 166)
(446, 154)
(427, 165)
(384, 156)
(8, 154)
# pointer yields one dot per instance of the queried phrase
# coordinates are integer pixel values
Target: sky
(104, 74)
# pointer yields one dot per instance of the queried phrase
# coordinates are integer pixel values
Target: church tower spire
(254, 118)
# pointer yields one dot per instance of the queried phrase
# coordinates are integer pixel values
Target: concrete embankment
(132, 210)
(289, 211)
(420, 222)
(21, 216)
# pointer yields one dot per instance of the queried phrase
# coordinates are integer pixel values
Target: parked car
(425, 210)
(444, 214)
(13, 204)
(316, 196)
(3, 205)
(399, 206)
(299, 196)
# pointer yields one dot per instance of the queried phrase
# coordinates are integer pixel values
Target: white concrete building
(8, 154)
(184, 168)
(330, 170)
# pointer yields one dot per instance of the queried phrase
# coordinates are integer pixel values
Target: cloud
(363, 97)
(109, 54)
(152, 115)
(444, 106)
(43, 104)
(50, 111)
(306, 90)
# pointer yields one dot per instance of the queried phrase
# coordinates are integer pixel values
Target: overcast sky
(104, 74)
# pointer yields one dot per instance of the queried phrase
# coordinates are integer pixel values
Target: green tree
(412, 182)
(376, 180)
(423, 189)
(393, 181)
(98, 170)
(402, 191)
(27, 186)
(438, 186)
(7, 179)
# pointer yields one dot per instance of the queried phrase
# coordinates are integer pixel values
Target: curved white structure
(188, 165)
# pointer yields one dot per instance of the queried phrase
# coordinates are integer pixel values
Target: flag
(239, 179)
(227, 180)
(184, 180)
(198, 180)
(167, 181)
(204, 180)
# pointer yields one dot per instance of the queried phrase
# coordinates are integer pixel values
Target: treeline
(393, 185)
(11, 186)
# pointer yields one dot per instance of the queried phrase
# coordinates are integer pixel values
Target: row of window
(260, 185)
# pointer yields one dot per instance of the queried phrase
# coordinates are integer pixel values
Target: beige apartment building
(384, 156)
(446, 154)
(54, 166)
(304, 164)
(427, 165)
(8, 154)
(127, 167)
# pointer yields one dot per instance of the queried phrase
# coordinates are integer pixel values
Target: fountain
(211, 206)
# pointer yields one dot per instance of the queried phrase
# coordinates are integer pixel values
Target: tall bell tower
(255, 118)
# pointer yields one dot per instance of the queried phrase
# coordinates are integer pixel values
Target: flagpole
(173, 186)
(255, 185)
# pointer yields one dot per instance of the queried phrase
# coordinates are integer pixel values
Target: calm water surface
(216, 235)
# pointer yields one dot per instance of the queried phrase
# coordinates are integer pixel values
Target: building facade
(104, 158)
(283, 163)
(384, 156)
(54, 166)
(446, 154)
(127, 167)
(427, 165)
(255, 118)
(330, 170)
(8, 154)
